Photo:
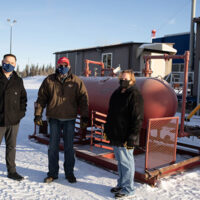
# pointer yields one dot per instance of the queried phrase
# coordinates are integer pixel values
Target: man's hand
(84, 122)
(38, 120)
(105, 137)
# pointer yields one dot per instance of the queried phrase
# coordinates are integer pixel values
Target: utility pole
(11, 25)
(192, 35)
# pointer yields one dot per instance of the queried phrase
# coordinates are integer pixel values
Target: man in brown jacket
(63, 93)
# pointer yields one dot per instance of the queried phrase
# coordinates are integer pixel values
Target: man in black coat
(124, 121)
(13, 101)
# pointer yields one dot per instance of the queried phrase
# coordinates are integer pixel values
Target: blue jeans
(126, 169)
(53, 151)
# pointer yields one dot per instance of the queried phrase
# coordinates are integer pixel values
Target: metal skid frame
(94, 148)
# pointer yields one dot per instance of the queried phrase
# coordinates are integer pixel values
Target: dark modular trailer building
(123, 54)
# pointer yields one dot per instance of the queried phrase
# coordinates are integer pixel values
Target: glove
(38, 120)
(84, 122)
(128, 147)
(105, 137)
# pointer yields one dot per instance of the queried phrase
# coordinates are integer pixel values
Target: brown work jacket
(62, 100)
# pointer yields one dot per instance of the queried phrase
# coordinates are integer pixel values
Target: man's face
(63, 69)
(9, 60)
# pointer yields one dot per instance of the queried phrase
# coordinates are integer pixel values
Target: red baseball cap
(63, 60)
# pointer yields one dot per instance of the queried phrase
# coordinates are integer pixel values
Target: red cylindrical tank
(159, 98)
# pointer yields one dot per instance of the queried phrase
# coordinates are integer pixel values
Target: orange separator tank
(159, 98)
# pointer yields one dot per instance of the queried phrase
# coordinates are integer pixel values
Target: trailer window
(107, 59)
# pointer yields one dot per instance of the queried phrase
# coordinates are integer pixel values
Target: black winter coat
(125, 117)
(13, 99)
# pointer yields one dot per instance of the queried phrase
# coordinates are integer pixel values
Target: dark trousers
(53, 151)
(10, 134)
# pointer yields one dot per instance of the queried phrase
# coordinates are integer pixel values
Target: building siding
(123, 55)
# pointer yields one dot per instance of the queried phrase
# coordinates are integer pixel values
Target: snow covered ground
(93, 182)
